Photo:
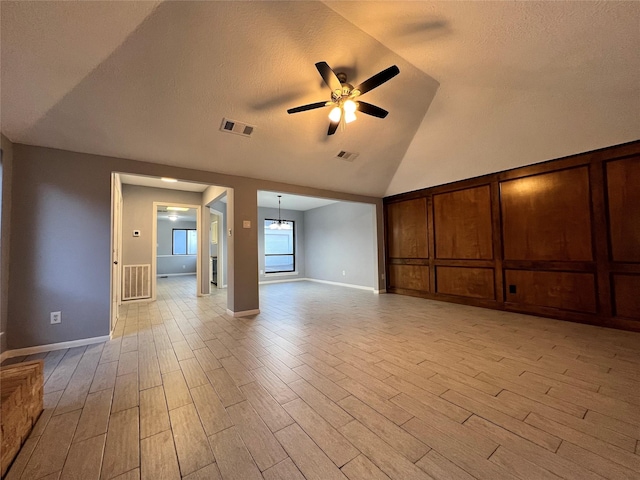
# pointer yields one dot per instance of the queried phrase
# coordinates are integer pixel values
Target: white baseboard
(160, 275)
(266, 282)
(138, 300)
(53, 346)
(348, 285)
(243, 313)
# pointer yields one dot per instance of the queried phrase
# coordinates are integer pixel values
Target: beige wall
(61, 212)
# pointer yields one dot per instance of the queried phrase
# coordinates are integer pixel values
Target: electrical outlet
(56, 317)
(344, 273)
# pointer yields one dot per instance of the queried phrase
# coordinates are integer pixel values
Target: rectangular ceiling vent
(239, 128)
(347, 156)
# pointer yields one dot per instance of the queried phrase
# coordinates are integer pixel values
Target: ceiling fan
(344, 97)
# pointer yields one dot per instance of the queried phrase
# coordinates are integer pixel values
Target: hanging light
(279, 224)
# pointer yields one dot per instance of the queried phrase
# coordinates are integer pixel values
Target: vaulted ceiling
(483, 86)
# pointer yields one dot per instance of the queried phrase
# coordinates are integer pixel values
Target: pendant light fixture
(280, 224)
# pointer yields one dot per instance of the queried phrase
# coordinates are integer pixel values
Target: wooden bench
(21, 391)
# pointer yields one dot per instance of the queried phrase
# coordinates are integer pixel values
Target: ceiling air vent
(347, 156)
(239, 128)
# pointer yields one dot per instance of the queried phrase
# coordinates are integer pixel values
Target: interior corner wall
(7, 168)
(265, 213)
(341, 237)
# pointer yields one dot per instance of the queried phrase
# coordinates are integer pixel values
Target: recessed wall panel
(463, 224)
(626, 290)
(410, 277)
(547, 217)
(563, 290)
(466, 282)
(623, 195)
(407, 229)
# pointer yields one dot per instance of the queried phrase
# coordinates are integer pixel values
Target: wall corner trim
(52, 346)
(243, 313)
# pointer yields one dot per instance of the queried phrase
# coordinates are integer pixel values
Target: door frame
(116, 250)
(221, 256)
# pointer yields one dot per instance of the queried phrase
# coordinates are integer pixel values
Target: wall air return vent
(347, 156)
(239, 128)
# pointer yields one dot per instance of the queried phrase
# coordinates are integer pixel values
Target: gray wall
(7, 168)
(173, 264)
(138, 214)
(61, 214)
(296, 216)
(341, 237)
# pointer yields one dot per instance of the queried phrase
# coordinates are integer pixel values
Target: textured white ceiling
(519, 82)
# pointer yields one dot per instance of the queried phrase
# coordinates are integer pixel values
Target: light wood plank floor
(337, 383)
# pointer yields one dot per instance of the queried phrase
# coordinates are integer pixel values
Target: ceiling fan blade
(311, 106)
(329, 76)
(333, 126)
(372, 110)
(378, 79)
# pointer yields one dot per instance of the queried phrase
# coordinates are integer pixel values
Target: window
(279, 248)
(185, 241)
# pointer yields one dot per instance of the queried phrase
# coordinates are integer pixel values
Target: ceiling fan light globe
(350, 106)
(349, 117)
(335, 114)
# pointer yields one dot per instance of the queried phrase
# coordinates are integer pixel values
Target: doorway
(176, 243)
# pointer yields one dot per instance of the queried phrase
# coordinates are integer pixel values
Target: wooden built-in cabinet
(559, 239)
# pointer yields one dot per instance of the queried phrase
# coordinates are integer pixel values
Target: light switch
(246, 224)
(136, 233)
